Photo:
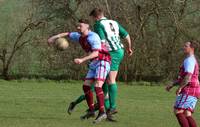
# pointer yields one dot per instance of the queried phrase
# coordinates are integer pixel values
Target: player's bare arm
(184, 82)
(171, 85)
(52, 39)
(92, 55)
(129, 49)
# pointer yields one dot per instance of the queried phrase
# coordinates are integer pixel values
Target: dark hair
(194, 44)
(84, 21)
(96, 12)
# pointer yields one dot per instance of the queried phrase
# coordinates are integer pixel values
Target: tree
(6, 57)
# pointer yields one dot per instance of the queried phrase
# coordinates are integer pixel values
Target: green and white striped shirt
(110, 32)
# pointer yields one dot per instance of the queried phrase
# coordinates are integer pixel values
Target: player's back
(111, 27)
(112, 32)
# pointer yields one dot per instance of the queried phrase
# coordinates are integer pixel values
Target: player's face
(187, 49)
(82, 27)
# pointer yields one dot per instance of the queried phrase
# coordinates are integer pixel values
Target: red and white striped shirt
(190, 66)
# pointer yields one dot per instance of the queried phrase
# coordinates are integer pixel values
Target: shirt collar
(103, 18)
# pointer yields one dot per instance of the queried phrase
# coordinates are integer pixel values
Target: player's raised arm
(53, 38)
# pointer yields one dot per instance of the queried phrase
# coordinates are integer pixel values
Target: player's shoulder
(98, 24)
(190, 60)
(108, 20)
(75, 34)
(93, 36)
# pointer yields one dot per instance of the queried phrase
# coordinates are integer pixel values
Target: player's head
(97, 14)
(83, 25)
(189, 47)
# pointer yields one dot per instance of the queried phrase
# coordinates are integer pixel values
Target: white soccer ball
(61, 44)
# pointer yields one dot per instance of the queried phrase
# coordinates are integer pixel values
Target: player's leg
(80, 99)
(191, 103)
(89, 98)
(106, 96)
(116, 57)
(184, 105)
(179, 112)
(191, 120)
(112, 88)
(101, 73)
(89, 81)
(74, 103)
(181, 118)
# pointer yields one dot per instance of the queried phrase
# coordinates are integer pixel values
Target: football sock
(191, 121)
(106, 96)
(89, 97)
(100, 98)
(112, 95)
(182, 120)
(79, 99)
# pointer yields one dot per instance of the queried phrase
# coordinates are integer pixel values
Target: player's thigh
(177, 111)
(184, 103)
(88, 82)
(90, 76)
(99, 83)
(188, 113)
(112, 77)
(116, 58)
(102, 71)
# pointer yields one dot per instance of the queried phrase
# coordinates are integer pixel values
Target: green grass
(43, 104)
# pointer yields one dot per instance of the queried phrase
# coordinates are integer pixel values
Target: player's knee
(106, 96)
(176, 111)
(111, 81)
(188, 113)
(87, 83)
(107, 80)
(99, 83)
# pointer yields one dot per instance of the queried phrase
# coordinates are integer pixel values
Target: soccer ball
(61, 44)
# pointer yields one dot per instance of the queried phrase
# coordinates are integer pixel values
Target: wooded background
(158, 29)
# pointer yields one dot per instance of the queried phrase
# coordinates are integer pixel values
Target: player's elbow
(96, 53)
(127, 37)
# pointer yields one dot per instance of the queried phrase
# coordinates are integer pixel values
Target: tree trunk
(5, 73)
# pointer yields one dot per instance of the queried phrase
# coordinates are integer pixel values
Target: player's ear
(88, 26)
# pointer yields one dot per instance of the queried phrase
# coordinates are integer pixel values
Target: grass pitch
(43, 104)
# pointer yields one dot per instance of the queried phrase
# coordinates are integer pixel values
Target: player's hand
(78, 61)
(168, 87)
(130, 52)
(50, 41)
(178, 91)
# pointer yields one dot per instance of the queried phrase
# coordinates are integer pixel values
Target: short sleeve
(74, 36)
(99, 29)
(189, 65)
(95, 41)
(122, 32)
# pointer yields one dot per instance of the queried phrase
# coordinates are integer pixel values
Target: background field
(43, 104)
(157, 28)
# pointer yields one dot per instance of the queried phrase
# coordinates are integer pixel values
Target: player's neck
(190, 54)
(85, 33)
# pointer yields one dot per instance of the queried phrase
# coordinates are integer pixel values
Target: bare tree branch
(107, 7)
